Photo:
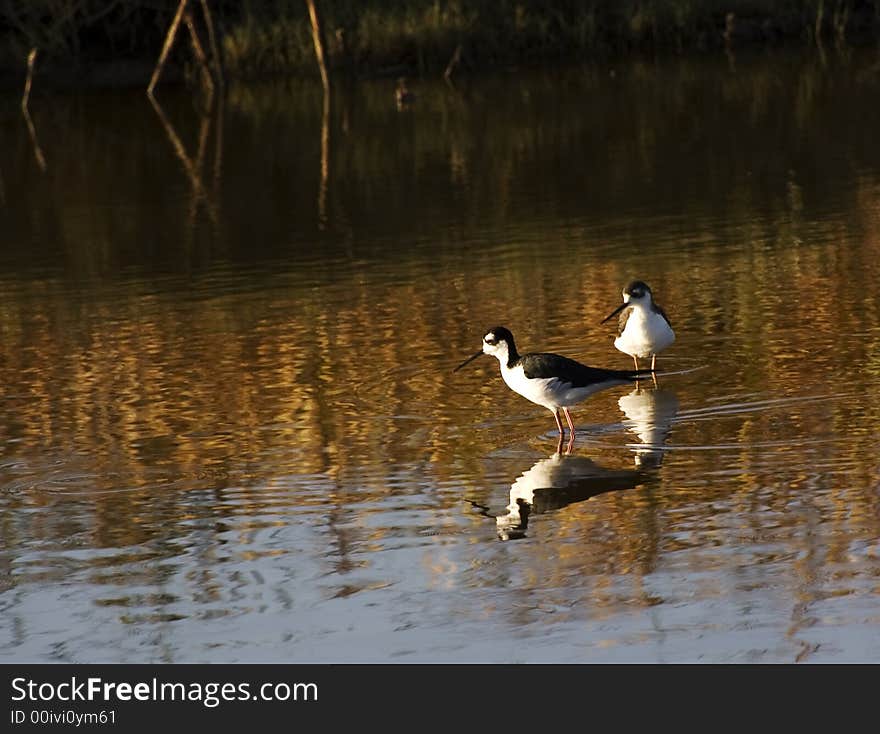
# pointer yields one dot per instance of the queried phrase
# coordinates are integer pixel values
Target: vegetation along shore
(118, 41)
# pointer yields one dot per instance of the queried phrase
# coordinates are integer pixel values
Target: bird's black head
(637, 292)
(498, 334)
(498, 342)
(637, 289)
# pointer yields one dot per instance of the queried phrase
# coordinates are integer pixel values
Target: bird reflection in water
(554, 483)
(650, 414)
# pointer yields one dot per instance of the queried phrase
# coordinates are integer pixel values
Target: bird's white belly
(644, 335)
(544, 391)
(550, 392)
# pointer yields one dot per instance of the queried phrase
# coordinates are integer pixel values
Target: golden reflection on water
(290, 372)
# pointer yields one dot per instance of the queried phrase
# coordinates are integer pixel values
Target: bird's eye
(490, 341)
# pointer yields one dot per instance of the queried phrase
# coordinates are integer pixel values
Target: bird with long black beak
(550, 380)
(643, 328)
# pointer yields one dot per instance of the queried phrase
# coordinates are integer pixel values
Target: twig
(32, 57)
(212, 40)
(166, 47)
(199, 53)
(453, 63)
(325, 161)
(820, 13)
(318, 40)
(729, 30)
(218, 145)
(198, 164)
(841, 15)
(38, 152)
(25, 98)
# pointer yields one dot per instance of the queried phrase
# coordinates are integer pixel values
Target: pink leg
(568, 418)
(571, 426)
(558, 423)
(636, 361)
(653, 362)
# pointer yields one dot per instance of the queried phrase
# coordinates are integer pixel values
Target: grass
(377, 35)
(262, 37)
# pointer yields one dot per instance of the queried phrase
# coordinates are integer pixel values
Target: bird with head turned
(644, 329)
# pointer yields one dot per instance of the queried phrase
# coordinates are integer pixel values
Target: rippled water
(230, 429)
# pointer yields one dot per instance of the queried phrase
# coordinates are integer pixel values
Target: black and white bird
(649, 415)
(556, 482)
(550, 380)
(643, 329)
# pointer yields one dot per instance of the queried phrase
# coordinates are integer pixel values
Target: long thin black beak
(615, 312)
(469, 360)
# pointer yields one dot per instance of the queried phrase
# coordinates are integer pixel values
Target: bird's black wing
(663, 314)
(543, 365)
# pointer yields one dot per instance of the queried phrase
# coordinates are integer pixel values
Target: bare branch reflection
(192, 167)
(25, 111)
(325, 159)
(38, 151)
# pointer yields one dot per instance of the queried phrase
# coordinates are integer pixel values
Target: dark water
(230, 429)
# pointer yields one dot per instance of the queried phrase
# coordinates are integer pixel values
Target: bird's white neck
(501, 352)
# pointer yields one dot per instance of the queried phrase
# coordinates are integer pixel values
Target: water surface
(230, 429)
